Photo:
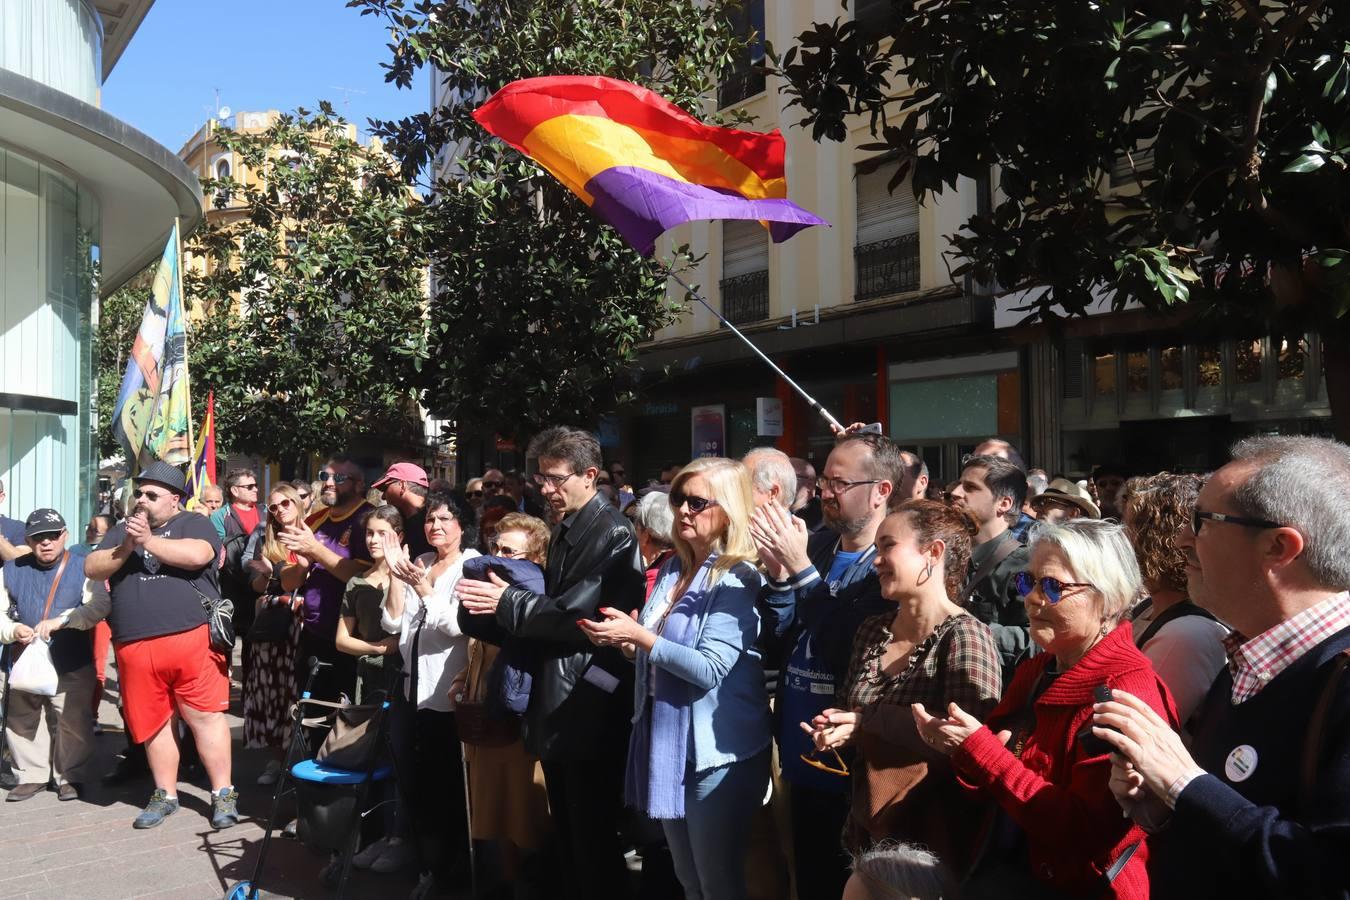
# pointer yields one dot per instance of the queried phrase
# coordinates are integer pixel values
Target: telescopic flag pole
(810, 401)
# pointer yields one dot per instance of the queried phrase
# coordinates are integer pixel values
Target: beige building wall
(817, 265)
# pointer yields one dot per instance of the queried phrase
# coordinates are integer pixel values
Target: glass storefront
(49, 231)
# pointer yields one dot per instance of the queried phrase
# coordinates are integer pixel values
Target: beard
(835, 518)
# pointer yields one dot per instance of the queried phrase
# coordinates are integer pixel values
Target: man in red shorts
(160, 563)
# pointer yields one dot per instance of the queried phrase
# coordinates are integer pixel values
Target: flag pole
(187, 368)
(810, 401)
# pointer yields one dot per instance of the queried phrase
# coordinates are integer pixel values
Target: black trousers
(431, 770)
(819, 862)
(585, 799)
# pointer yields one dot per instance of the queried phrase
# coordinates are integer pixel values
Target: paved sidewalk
(88, 849)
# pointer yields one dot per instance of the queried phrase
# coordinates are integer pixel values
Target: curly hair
(536, 532)
(1155, 509)
(935, 521)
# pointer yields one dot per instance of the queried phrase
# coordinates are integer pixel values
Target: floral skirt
(269, 689)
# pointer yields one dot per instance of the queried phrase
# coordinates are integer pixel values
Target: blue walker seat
(317, 772)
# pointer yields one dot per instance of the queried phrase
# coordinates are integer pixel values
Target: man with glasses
(333, 541)
(161, 565)
(494, 483)
(992, 489)
(820, 588)
(235, 522)
(1258, 804)
(577, 721)
(51, 738)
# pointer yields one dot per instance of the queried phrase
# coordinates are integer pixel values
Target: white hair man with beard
(821, 586)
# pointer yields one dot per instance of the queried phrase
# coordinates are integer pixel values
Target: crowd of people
(1018, 684)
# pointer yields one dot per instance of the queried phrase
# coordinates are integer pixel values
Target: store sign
(768, 417)
(709, 435)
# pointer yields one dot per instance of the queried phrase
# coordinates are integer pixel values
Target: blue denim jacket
(730, 708)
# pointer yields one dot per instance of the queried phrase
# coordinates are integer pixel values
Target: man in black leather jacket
(581, 699)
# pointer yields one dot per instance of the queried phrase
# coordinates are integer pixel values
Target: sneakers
(271, 774)
(397, 854)
(224, 808)
(157, 810)
(366, 858)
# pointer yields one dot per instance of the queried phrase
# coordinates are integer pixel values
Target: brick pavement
(88, 849)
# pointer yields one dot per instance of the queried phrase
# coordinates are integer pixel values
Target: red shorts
(160, 673)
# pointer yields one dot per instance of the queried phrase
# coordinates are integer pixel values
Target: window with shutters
(745, 271)
(745, 78)
(886, 255)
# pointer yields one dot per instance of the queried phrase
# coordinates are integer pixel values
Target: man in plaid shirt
(1260, 803)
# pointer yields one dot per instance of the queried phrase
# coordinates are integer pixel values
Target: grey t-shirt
(150, 599)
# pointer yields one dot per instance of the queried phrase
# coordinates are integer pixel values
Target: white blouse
(442, 649)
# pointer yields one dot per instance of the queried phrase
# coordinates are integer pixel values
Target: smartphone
(1092, 744)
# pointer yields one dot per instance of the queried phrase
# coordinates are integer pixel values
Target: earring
(928, 570)
(1104, 630)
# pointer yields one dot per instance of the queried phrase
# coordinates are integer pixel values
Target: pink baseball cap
(413, 474)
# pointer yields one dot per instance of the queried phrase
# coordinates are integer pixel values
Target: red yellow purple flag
(639, 161)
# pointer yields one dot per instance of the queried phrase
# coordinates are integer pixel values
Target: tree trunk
(1336, 365)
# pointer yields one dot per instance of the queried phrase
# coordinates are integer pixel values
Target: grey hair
(1302, 482)
(1036, 484)
(655, 515)
(769, 466)
(895, 871)
(1098, 552)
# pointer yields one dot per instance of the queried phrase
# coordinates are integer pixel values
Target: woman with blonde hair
(698, 759)
(269, 682)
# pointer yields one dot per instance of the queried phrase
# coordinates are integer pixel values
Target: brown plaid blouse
(957, 662)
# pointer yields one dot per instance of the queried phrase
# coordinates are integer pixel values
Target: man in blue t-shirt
(817, 616)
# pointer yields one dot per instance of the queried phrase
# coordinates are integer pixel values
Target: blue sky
(260, 54)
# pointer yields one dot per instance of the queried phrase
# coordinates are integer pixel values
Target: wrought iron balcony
(745, 298)
(739, 85)
(886, 267)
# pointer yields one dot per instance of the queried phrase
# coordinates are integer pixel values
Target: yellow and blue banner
(203, 472)
(152, 412)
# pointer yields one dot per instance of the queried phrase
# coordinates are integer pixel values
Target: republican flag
(150, 417)
(203, 471)
(639, 161)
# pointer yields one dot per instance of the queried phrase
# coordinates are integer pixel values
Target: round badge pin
(1241, 763)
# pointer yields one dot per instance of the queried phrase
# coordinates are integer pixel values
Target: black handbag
(272, 624)
(219, 620)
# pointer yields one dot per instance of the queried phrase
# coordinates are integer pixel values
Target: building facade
(86, 201)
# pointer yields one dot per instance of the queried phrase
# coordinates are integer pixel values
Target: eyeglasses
(814, 761)
(1052, 588)
(1198, 517)
(696, 504)
(335, 477)
(280, 504)
(304, 495)
(839, 485)
(152, 496)
(473, 493)
(543, 478)
(505, 550)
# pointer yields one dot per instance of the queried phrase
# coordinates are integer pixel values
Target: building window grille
(886, 255)
(745, 298)
(745, 78)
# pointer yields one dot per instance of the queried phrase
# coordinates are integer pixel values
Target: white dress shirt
(442, 649)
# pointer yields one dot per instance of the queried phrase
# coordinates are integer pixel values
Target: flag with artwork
(639, 161)
(203, 472)
(151, 415)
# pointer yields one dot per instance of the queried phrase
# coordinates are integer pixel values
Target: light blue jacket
(729, 721)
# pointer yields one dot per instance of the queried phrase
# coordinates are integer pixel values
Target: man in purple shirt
(332, 542)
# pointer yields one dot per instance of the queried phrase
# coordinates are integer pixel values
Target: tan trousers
(53, 737)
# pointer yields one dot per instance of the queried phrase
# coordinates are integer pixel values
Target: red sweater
(1056, 795)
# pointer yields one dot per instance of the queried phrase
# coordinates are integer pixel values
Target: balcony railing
(745, 298)
(739, 85)
(887, 267)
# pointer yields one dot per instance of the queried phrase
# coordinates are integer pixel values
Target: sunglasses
(248, 487)
(474, 494)
(505, 550)
(1052, 588)
(152, 496)
(335, 477)
(839, 768)
(304, 496)
(1199, 517)
(696, 504)
(280, 504)
(497, 485)
(543, 478)
(46, 537)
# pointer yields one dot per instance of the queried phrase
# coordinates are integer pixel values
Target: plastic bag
(34, 672)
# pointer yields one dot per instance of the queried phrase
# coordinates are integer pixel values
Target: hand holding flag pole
(644, 165)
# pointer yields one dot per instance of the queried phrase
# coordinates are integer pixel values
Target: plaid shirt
(957, 662)
(1255, 663)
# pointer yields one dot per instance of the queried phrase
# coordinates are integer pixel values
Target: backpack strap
(1006, 547)
(1312, 743)
(1184, 608)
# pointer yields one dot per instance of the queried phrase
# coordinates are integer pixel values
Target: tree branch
(1254, 10)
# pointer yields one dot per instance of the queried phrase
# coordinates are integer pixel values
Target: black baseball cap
(43, 521)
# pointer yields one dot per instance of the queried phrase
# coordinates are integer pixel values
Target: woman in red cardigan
(1058, 832)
